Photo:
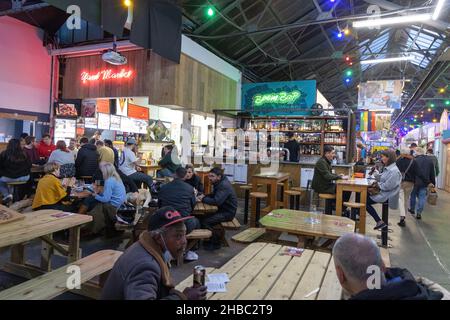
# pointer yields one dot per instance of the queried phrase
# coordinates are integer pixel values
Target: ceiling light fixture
(392, 20)
(373, 61)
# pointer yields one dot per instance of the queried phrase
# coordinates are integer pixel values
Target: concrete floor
(421, 247)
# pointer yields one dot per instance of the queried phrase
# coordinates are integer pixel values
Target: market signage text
(104, 75)
(282, 97)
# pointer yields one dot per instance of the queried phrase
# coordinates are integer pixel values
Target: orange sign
(103, 106)
(138, 112)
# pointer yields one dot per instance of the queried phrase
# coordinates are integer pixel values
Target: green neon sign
(276, 98)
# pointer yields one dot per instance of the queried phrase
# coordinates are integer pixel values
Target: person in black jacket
(407, 166)
(86, 163)
(425, 177)
(15, 166)
(181, 196)
(193, 179)
(363, 275)
(225, 199)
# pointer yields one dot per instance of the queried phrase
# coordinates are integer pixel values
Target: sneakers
(6, 199)
(418, 216)
(402, 223)
(411, 211)
(381, 226)
(191, 256)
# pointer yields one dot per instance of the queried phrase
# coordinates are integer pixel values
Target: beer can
(199, 276)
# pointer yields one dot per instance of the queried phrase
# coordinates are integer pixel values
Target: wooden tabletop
(203, 208)
(202, 170)
(307, 223)
(37, 224)
(261, 272)
(278, 175)
(356, 182)
(149, 167)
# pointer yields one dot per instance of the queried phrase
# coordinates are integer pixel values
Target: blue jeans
(140, 177)
(4, 190)
(164, 173)
(371, 210)
(420, 193)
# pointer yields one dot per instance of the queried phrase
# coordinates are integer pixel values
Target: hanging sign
(107, 74)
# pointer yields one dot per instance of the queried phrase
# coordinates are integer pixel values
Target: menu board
(138, 112)
(115, 123)
(88, 108)
(65, 129)
(134, 125)
(104, 121)
(90, 123)
(66, 110)
(103, 106)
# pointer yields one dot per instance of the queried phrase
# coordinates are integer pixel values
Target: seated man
(356, 257)
(129, 162)
(142, 272)
(224, 198)
(324, 179)
(169, 163)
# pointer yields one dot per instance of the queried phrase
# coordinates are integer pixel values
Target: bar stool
(385, 230)
(362, 211)
(247, 189)
(281, 185)
(328, 201)
(15, 187)
(292, 197)
(256, 212)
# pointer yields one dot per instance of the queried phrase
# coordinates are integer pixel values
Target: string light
(210, 12)
(441, 90)
(127, 3)
(434, 120)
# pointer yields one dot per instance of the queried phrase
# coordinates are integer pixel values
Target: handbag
(374, 189)
(432, 196)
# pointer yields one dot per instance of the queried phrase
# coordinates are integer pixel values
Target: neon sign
(104, 75)
(282, 97)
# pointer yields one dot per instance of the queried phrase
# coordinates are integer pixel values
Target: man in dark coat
(363, 276)
(425, 177)
(225, 199)
(142, 272)
(324, 179)
(87, 159)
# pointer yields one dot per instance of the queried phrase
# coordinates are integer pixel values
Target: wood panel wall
(189, 84)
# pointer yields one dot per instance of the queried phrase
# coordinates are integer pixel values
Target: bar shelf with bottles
(313, 133)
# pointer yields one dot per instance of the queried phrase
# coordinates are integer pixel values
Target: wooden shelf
(335, 132)
(336, 144)
(311, 143)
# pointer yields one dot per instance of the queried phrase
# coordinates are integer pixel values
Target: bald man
(363, 275)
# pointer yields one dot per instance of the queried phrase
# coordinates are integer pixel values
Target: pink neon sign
(104, 75)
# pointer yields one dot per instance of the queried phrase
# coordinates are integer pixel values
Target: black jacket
(179, 195)
(401, 285)
(403, 163)
(14, 169)
(294, 147)
(87, 160)
(224, 198)
(425, 172)
(196, 183)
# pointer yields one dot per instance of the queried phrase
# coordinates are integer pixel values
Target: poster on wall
(380, 95)
(90, 123)
(104, 121)
(278, 98)
(103, 106)
(122, 107)
(65, 129)
(66, 110)
(138, 112)
(88, 108)
(115, 123)
(158, 131)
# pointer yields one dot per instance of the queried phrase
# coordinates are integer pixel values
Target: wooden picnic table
(260, 272)
(147, 168)
(41, 225)
(307, 224)
(359, 186)
(271, 181)
(203, 208)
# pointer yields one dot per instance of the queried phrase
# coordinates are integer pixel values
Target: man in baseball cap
(142, 272)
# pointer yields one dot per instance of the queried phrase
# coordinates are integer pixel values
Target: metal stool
(247, 189)
(256, 212)
(291, 199)
(328, 201)
(385, 230)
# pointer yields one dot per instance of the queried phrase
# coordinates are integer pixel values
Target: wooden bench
(232, 225)
(129, 229)
(54, 283)
(249, 235)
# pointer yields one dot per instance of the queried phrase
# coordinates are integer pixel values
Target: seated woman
(64, 158)
(103, 205)
(169, 163)
(51, 193)
(14, 167)
(193, 179)
(389, 182)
